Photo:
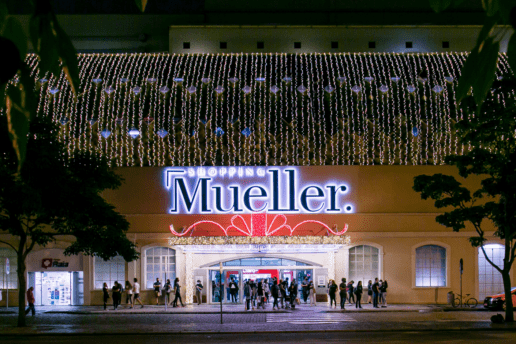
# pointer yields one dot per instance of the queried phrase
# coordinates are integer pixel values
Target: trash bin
(451, 296)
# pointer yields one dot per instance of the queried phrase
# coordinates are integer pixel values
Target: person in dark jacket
(177, 287)
(376, 290)
(342, 293)
(233, 290)
(358, 293)
(369, 291)
(304, 288)
(261, 296)
(117, 294)
(275, 294)
(333, 293)
(351, 292)
(247, 295)
(292, 290)
(105, 292)
(383, 292)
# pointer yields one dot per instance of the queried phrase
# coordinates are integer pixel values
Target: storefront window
(430, 266)
(160, 262)
(363, 263)
(109, 271)
(8, 281)
(489, 279)
(265, 261)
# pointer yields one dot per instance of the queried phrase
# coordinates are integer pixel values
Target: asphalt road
(472, 337)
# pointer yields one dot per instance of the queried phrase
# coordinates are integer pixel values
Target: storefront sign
(237, 190)
(53, 263)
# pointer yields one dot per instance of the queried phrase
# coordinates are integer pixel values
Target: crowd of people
(132, 291)
(257, 294)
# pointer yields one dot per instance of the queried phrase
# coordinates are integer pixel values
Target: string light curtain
(260, 109)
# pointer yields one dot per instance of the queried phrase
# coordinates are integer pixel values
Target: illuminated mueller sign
(208, 190)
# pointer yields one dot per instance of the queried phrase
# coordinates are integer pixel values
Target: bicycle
(470, 302)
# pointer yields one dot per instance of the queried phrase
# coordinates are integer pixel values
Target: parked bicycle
(470, 301)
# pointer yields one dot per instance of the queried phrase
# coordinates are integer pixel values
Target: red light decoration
(259, 226)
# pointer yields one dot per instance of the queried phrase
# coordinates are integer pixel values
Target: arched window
(11, 280)
(109, 271)
(363, 263)
(489, 280)
(160, 262)
(430, 266)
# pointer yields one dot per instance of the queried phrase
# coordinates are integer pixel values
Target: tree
(56, 194)
(490, 134)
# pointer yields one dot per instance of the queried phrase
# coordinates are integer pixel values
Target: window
(160, 262)
(109, 271)
(489, 280)
(363, 263)
(8, 281)
(297, 45)
(430, 266)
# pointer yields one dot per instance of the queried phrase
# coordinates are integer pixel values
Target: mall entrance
(256, 269)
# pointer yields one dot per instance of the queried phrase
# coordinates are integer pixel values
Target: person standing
(105, 293)
(157, 290)
(136, 289)
(177, 287)
(117, 295)
(282, 293)
(358, 293)
(383, 290)
(129, 291)
(342, 293)
(167, 288)
(247, 295)
(351, 292)
(31, 300)
(313, 295)
(198, 292)
(254, 293)
(233, 290)
(332, 291)
(275, 294)
(266, 290)
(375, 288)
(369, 291)
(304, 288)
(293, 293)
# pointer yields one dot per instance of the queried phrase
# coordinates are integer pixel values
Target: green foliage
(141, 4)
(58, 195)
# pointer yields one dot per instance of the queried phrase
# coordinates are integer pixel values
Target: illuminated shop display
(260, 109)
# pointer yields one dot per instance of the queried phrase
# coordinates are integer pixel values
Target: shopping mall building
(268, 151)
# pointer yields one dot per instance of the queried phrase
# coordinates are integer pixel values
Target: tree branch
(489, 260)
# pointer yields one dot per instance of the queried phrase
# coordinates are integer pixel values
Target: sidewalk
(239, 309)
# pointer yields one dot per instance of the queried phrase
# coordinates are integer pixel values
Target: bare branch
(489, 260)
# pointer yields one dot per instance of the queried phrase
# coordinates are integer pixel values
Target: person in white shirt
(136, 289)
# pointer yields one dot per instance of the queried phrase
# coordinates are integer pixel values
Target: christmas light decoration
(264, 240)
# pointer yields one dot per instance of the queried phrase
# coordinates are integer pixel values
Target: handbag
(298, 301)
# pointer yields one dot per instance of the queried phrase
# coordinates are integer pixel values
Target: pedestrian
(293, 293)
(31, 300)
(369, 291)
(342, 294)
(247, 295)
(233, 290)
(157, 290)
(117, 294)
(254, 293)
(383, 290)
(275, 294)
(105, 294)
(261, 295)
(332, 292)
(136, 289)
(282, 293)
(313, 295)
(177, 287)
(375, 293)
(198, 292)
(167, 288)
(129, 295)
(266, 290)
(351, 292)
(358, 293)
(304, 288)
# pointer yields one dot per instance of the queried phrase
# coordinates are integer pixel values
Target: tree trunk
(509, 310)
(22, 286)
